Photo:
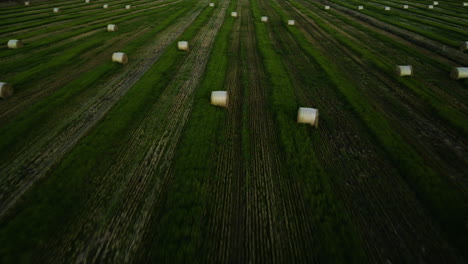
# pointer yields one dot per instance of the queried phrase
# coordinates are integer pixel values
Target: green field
(102, 162)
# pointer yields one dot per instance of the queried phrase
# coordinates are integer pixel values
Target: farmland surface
(103, 162)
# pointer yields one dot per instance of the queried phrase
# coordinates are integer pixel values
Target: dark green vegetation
(109, 163)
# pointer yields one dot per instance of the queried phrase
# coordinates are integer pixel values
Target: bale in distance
(435, 3)
(219, 98)
(327, 7)
(112, 28)
(387, 8)
(234, 14)
(15, 44)
(404, 70)
(307, 115)
(360, 7)
(105, 6)
(211, 4)
(405, 6)
(459, 73)
(56, 10)
(86, 1)
(26, 3)
(464, 46)
(264, 19)
(430, 7)
(120, 57)
(183, 45)
(6, 90)
(128, 7)
(291, 22)
(465, 4)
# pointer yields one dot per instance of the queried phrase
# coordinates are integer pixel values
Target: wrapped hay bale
(306, 115)
(120, 57)
(128, 7)
(459, 73)
(86, 1)
(465, 4)
(112, 28)
(56, 10)
(15, 44)
(183, 45)
(404, 70)
(405, 6)
(435, 3)
(219, 98)
(430, 7)
(105, 6)
(387, 8)
(211, 4)
(6, 90)
(327, 7)
(26, 3)
(360, 7)
(464, 46)
(264, 19)
(291, 22)
(234, 14)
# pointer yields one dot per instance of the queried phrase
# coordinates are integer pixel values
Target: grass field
(108, 163)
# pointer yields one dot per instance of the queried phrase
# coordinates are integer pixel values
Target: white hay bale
(219, 98)
(327, 7)
(86, 1)
(105, 6)
(112, 28)
(6, 90)
(15, 44)
(405, 6)
(183, 45)
(128, 7)
(404, 70)
(387, 8)
(234, 14)
(430, 7)
(26, 3)
(291, 22)
(435, 3)
(465, 4)
(211, 4)
(56, 10)
(120, 57)
(464, 46)
(360, 7)
(264, 19)
(459, 73)
(306, 115)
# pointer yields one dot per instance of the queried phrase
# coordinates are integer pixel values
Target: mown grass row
(179, 237)
(81, 25)
(19, 7)
(423, 12)
(442, 199)
(337, 238)
(25, 70)
(72, 8)
(22, 23)
(61, 196)
(15, 133)
(438, 32)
